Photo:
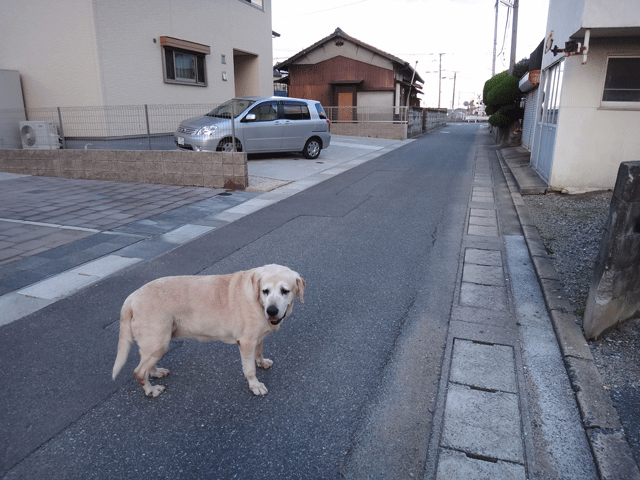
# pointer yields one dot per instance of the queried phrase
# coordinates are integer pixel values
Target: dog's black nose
(272, 311)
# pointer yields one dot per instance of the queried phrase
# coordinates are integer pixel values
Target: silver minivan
(273, 124)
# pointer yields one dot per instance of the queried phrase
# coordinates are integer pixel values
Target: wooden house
(342, 71)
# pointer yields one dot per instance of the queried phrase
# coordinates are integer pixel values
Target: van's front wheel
(312, 148)
(226, 145)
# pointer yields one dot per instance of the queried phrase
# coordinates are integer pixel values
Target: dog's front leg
(248, 354)
(260, 360)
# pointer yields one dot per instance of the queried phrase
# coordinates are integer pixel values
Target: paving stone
(453, 465)
(483, 257)
(483, 423)
(484, 221)
(483, 231)
(483, 212)
(483, 296)
(483, 274)
(14, 306)
(485, 366)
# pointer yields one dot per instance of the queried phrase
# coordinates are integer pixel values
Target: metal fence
(127, 127)
(151, 127)
(367, 114)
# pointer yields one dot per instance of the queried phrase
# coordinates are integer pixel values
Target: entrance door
(345, 102)
(542, 158)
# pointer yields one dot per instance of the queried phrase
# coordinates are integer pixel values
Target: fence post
(233, 126)
(64, 142)
(146, 116)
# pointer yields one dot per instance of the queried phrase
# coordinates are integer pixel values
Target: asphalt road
(356, 367)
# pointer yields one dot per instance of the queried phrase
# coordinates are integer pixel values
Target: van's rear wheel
(226, 145)
(312, 148)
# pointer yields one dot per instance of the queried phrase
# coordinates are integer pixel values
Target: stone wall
(615, 287)
(168, 167)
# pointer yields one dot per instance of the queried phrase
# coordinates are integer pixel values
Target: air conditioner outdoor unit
(39, 135)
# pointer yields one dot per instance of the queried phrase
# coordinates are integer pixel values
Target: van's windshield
(235, 105)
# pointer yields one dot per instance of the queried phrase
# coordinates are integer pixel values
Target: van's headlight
(208, 130)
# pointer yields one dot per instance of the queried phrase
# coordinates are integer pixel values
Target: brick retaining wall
(168, 167)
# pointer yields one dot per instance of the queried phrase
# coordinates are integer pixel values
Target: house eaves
(399, 64)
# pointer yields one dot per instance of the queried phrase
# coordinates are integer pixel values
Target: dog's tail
(125, 338)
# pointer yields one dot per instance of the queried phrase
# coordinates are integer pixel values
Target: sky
(419, 30)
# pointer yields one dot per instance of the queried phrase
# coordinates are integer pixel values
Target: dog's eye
(265, 291)
(284, 291)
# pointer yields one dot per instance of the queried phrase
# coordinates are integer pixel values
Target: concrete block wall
(396, 131)
(170, 167)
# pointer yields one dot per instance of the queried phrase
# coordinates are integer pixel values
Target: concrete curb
(600, 419)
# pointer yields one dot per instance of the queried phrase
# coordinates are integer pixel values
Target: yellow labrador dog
(242, 307)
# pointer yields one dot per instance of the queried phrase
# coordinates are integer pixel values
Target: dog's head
(276, 288)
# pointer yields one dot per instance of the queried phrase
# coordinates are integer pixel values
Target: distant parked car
(274, 124)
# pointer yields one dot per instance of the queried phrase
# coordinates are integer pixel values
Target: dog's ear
(255, 282)
(300, 284)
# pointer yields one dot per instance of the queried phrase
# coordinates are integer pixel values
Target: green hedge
(501, 96)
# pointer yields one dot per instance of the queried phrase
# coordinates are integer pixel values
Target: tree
(501, 96)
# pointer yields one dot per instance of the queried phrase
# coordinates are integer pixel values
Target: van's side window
(265, 112)
(296, 111)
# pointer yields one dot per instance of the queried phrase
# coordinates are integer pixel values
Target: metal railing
(126, 127)
(367, 114)
(151, 127)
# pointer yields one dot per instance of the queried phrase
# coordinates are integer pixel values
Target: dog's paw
(154, 391)
(258, 388)
(159, 373)
(265, 363)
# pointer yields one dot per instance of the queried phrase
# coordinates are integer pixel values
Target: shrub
(501, 96)
(499, 120)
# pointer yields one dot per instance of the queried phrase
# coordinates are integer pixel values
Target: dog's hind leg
(248, 354)
(146, 367)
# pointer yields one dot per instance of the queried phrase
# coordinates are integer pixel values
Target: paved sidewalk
(59, 235)
(502, 411)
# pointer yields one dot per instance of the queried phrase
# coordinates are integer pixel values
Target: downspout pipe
(585, 46)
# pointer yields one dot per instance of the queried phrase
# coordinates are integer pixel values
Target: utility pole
(440, 79)
(514, 36)
(454, 91)
(495, 41)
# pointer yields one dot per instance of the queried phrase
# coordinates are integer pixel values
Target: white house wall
(569, 18)
(591, 141)
(611, 14)
(102, 52)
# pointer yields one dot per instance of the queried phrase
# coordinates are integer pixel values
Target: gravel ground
(571, 228)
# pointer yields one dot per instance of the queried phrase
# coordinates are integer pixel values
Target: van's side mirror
(251, 117)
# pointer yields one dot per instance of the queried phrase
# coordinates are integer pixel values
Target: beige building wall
(53, 46)
(348, 50)
(593, 140)
(108, 52)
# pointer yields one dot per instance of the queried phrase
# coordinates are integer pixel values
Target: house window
(184, 62)
(255, 3)
(622, 83)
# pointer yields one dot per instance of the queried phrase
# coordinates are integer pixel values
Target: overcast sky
(418, 30)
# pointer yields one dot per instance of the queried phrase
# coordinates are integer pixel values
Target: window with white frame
(622, 82)
(184, 62)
